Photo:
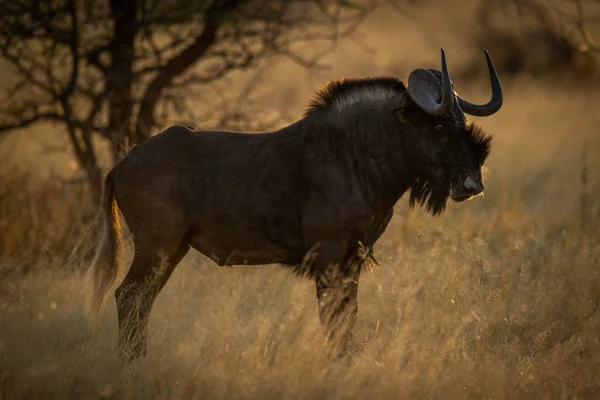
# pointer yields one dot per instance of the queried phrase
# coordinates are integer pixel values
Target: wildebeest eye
(401, 114)
(439, 128)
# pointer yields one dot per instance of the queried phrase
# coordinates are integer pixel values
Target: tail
(105, 266)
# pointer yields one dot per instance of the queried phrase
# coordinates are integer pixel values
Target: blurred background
(497, 298)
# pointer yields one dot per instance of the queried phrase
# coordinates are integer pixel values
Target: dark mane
(480, 142)
(336, 90)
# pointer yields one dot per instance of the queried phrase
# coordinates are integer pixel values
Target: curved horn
(424, 89)
(495, 102)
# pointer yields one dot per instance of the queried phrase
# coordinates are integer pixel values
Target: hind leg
(148, 274)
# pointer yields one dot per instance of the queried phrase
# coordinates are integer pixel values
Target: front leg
(338, 308)
(337, 296)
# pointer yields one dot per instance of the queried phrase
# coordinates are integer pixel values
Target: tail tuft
(105, 265)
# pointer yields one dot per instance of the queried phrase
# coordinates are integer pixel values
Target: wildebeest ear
(401, 113)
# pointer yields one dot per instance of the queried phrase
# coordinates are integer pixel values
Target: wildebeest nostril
(473, 186)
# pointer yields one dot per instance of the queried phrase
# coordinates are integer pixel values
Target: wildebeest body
(193, 200)
(315, 195)
(247, 198)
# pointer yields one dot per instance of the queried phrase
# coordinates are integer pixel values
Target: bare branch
(23, 121)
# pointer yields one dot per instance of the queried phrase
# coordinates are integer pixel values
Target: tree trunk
(89, 161)
(119, 76)
(95, 182)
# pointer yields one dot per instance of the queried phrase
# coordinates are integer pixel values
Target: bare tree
(113, 69)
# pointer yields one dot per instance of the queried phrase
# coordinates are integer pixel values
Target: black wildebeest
(314, 196)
